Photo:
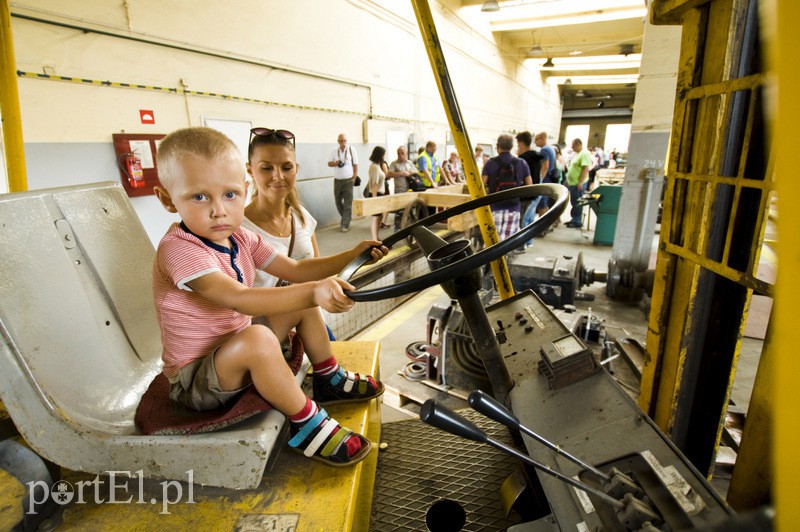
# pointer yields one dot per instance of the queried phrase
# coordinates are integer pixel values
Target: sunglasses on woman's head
(267, 133)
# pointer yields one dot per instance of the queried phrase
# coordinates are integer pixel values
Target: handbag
(357, 181)
(415, 183)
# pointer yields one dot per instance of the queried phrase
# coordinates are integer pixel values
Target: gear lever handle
(491, 408)
(445, 419)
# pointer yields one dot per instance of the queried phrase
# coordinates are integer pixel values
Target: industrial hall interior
(523, 265)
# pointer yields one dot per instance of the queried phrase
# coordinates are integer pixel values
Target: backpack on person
(506, 176)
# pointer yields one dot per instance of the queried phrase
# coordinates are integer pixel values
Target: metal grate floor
(423, 464)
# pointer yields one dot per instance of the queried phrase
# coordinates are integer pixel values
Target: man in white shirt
(344, 161)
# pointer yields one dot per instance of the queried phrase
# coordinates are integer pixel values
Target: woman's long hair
(292, 200)
(377, 155)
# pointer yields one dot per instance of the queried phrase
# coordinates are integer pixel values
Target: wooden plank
(462, 222)
(446, 197)
(381, 204)
(443, 199)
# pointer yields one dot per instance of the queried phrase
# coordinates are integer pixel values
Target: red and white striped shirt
(192, 326)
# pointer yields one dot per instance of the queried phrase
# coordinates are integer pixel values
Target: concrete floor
(406, 323)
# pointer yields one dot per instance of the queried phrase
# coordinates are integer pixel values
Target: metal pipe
(9, 106)
(433, 47)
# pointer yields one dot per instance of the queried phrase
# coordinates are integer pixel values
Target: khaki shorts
(197, 386)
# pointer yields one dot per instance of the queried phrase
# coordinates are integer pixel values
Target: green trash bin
(606, 207)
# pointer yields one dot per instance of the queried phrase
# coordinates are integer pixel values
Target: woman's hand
(329, 294)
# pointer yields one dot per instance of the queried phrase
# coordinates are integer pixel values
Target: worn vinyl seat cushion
(158, 414)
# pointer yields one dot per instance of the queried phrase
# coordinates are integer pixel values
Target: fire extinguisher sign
(147, 116)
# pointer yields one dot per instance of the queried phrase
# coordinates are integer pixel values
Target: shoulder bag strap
(291, 246)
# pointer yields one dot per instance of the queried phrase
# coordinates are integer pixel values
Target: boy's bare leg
(254, 355)
(331, 383)
(310, 326)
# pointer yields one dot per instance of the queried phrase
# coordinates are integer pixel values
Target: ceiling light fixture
(536, 49)
(490, 6)
(548, 63)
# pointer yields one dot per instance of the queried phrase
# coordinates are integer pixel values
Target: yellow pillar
(474, 182)
(9, 105)
(786, 465)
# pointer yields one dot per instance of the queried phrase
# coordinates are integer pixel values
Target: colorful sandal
(316, 440)
(345, 387)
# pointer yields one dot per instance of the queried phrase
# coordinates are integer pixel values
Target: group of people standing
(539, 162)
(407, 175)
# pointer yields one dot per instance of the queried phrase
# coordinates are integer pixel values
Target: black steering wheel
(559, 193)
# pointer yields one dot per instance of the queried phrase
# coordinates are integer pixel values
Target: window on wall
(579, 131)
(617, 137)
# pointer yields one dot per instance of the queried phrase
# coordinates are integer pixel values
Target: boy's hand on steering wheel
(377, 250)
(329, 294)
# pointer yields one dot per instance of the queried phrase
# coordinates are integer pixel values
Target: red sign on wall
(147, 116)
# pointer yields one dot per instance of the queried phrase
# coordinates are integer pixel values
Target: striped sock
(326, 368)
(306, 413)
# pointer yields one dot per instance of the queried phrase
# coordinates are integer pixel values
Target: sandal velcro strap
(316, 440)
(308, 428)
(345, 387)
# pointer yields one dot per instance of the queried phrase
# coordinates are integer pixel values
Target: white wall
(316, 67)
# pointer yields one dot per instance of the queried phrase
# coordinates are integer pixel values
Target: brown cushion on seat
(158, 414)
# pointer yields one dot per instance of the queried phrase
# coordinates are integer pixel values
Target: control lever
(489, 407)
(445, 419)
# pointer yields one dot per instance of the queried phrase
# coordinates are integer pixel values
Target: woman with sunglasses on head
(275, 212)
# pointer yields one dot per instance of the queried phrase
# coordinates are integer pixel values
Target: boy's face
(209, 195)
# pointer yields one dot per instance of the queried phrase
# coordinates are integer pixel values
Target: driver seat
(81, 344)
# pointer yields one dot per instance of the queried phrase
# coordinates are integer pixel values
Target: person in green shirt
(578, 181)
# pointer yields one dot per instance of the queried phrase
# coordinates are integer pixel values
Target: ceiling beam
(532, 20)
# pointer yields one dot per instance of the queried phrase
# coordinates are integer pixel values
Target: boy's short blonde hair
(192, 141)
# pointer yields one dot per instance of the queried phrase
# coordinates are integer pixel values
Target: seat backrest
(76, 302)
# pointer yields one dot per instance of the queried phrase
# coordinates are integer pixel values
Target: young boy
(202, 284)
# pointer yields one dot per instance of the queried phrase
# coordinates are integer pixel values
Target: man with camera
(344, 162)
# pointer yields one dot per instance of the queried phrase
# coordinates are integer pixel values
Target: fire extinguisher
(132, 167)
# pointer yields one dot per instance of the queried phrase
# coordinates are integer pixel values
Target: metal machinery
(596, 408)
(604, 200)
(532, 358)
(556, 280)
